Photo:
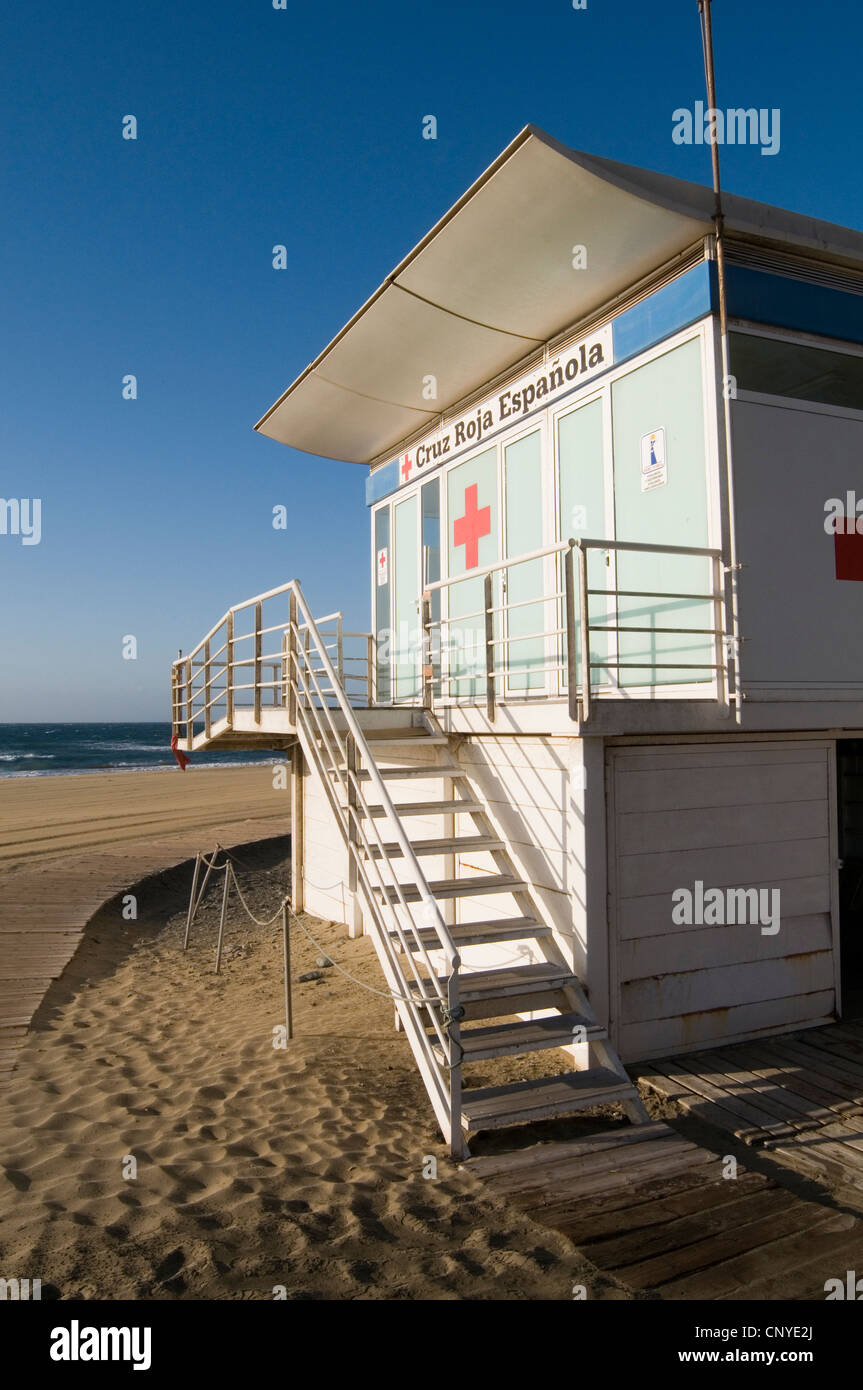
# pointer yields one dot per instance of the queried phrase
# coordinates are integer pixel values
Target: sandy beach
(155, 1144)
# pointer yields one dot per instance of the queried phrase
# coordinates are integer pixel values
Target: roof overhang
(494, 280)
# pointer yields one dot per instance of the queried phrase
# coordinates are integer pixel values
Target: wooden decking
(68, 845)
(798, 1095)
(660, 1216)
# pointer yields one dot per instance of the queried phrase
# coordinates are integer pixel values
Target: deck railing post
(351, 810)
(584, 614)
(489, 645)
(371, 672)
(207, 712)
(340, 649)
(720, 654)
(259, 623)
(229, 669)
(427, 664)
(190, 713)
(292, 660)
(570, 635)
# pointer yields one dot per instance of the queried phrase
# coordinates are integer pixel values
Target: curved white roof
(494, 280)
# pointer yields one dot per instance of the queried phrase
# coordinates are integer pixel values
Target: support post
(259, 622)
(297, 828)
(489, 646)
(371, 665)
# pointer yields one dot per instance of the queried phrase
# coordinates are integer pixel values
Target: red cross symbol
(407, 465)
(469, 529)
(382, 560)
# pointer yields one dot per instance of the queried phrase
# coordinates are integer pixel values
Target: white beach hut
(592, 779)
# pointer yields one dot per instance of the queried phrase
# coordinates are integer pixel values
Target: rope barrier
(285, 904)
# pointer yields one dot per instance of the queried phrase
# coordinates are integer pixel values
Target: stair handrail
(428, 899)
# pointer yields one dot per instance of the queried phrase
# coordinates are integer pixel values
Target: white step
(522, 1102)
(515, 982)
(464, 844)
(513, 1039)
(427, 808)
(455, 888)
(482, 933)
(415, 770)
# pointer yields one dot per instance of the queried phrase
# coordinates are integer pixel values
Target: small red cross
(848, 549)
(469, 529)
(407, 465)
(383, 559)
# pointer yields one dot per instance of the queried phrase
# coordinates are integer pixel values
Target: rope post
(228, 872)
(192, 904)
(286, 951)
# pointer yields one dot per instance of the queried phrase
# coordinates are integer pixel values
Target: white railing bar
(498, 565)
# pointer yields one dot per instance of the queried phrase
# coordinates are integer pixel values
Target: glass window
(774, 367)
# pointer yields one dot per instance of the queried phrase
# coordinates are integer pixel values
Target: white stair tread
(458, 887)
(457, 845)
(414, 770)
(397, 737)
(485, 932)
(428, 808)
(517, 980)
(523, 1101)
(512, 1039)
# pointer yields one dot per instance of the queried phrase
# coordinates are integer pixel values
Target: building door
(849, 784)
(524, 655)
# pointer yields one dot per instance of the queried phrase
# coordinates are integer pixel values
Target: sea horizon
(46, 748)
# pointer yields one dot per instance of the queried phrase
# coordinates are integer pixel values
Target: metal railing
(230, 670)
(311, 685)
(484, 658)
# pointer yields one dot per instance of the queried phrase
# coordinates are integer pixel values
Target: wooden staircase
(494, 999)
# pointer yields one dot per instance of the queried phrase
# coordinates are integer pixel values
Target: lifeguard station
(613, 650)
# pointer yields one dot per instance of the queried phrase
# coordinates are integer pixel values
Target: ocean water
(46, 750)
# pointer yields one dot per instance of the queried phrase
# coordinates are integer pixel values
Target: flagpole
(732, 655)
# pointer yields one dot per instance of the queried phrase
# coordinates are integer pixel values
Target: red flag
(179, 755)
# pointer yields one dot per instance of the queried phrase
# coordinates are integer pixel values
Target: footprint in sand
(19, 1180)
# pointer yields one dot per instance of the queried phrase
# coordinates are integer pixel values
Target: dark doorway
(849, 779)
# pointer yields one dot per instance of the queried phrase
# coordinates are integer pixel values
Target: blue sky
(302, 126)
